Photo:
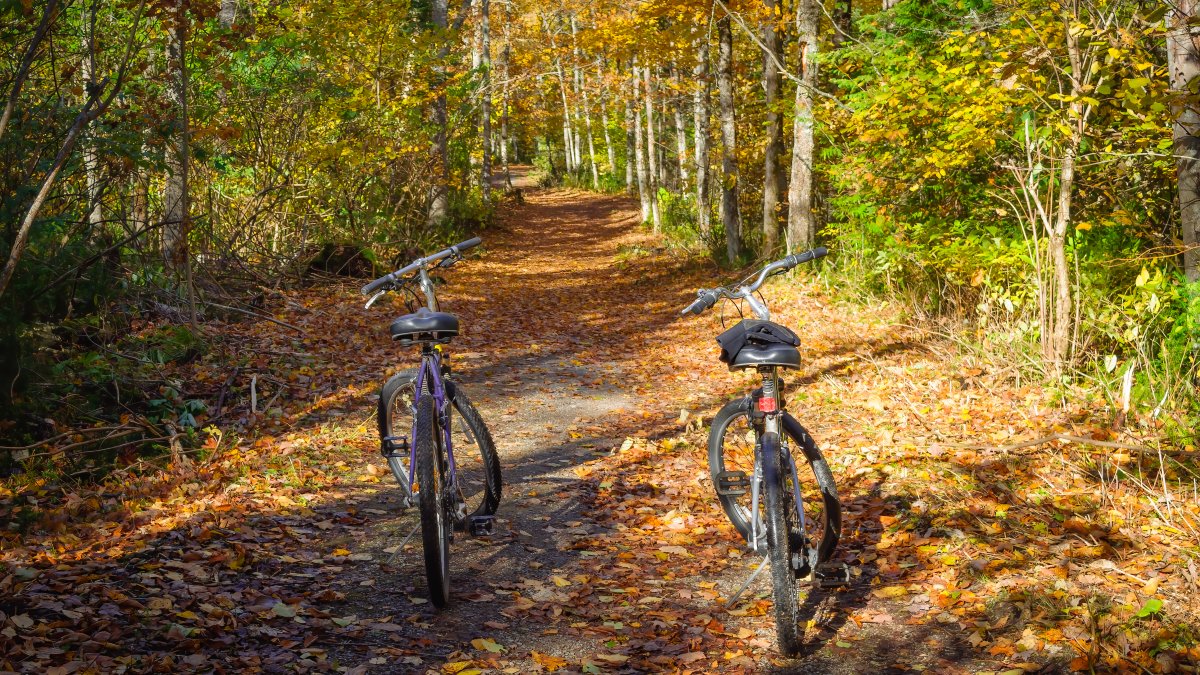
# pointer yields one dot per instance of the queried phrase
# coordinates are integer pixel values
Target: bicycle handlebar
(706, 298)
(393, 277)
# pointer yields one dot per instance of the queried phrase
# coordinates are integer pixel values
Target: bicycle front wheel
(731, 445)
(476, 463)
(782, 549)
(431, 495)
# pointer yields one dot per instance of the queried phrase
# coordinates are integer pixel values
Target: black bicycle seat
(425, 326)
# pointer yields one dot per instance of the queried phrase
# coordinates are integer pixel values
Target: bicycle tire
(825, 528)
(478, 469)
(780, 519)
(489, 501)
(435, 533)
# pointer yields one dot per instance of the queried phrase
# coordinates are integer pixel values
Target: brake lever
(375, 297)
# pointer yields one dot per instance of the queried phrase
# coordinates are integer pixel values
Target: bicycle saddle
(752, 342)
(425, 326)
(771, 354)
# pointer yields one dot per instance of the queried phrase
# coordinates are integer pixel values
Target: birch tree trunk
(730, 217)
(581, 80)
(1184, 58)
(652, 151)
(485, 106)
(639, 149)
(801, 228)
(505, 57)
(681, 149)
(631, 148)
(568, 141)
(91, 160)
(439, 198)
(772, 177)
(608, 146)
(700, 121)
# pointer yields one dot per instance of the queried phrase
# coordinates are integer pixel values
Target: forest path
(277, 549)
(610, 550)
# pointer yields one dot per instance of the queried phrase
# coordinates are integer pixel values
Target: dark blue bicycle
(452, 470)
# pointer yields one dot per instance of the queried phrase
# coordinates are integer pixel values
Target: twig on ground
(1046, 439)
(259, 316)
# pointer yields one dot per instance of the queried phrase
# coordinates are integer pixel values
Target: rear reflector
(767, 404)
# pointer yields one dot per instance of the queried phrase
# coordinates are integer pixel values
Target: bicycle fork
(768, 405)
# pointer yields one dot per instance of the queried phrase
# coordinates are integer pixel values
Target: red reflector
(767, 404)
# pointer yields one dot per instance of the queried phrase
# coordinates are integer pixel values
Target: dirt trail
(280, 551)
(571, 344)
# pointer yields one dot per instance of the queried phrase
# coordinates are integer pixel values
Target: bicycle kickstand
(736, 596)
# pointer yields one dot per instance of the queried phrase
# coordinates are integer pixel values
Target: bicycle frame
(431, 368)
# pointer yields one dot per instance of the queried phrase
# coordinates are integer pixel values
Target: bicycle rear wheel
(477, 465)
(431, 495)
(782, 549)
(731, 445)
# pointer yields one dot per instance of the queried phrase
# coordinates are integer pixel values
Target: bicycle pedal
(389, 448)
(482, 526)
(831, 575)
(732, 483)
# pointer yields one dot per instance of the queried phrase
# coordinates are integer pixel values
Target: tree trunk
(802, 226)
(485, 107)
(228, 14)
(700, 113)
(842, 22)
(48, 15)
(730, 217)
(1057, 349)
(439, 199)
(176, 215)
(581, 85)
(1184, 61)
(652, 152)
(568, 141)
(631, 148)
(91, 160)
(505, 57)
(772, 176)
(681, 149)
(639, 150)
(608, 146)
(89, 113)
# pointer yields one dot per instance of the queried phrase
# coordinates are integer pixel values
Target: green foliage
(941, 103)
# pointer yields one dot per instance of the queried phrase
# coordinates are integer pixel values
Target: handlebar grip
(470, 243)
(378, 283)
(818, 252)
(705, 301)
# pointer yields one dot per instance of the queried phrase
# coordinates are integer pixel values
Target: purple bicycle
(434, 440)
